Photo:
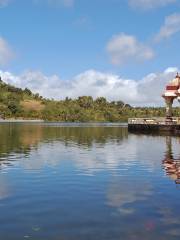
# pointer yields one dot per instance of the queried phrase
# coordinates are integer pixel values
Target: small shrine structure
(169, 123)
(172, 92)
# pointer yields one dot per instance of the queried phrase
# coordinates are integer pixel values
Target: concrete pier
(154, 125)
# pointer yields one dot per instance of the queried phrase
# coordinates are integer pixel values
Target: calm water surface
(79, 182)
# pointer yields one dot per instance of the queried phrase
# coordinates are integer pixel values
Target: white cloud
(5, 52)
(126, 48)
(145, 92)
(170, 27)
(149, 4)
(4, 3)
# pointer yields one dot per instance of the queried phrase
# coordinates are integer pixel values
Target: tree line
(22, 103)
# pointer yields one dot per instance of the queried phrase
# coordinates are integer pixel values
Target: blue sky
(67, 38)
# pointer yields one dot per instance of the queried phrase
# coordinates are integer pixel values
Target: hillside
(18, 103)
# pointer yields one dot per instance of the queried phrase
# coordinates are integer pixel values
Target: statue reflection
(170, 164)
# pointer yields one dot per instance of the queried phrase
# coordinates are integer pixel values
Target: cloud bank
(145, 92)
(124, 48)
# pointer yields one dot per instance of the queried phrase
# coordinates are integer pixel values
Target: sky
(119, 49)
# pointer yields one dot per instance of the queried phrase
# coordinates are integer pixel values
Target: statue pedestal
(169, 102)
(169, 120)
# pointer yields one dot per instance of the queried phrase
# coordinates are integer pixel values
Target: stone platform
(154, 125)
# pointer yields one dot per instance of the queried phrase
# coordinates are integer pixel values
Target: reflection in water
(4, 188)
(170, 164)
(119, 197)
(17, 142)
(22, 137)
(72, 182)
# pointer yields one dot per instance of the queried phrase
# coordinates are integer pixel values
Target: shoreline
(20, 120)
(67, 124)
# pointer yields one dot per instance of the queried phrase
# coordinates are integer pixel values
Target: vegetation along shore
(16, 103)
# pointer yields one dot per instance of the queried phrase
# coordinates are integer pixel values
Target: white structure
(172, 92)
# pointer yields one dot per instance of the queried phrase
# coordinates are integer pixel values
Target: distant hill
(17, 103)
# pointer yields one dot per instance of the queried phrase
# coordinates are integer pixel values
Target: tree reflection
(171, 164)
(23, 138)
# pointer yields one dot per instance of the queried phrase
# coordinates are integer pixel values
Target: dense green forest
(18, 103)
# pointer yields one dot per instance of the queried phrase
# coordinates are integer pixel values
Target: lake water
(87, 182)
